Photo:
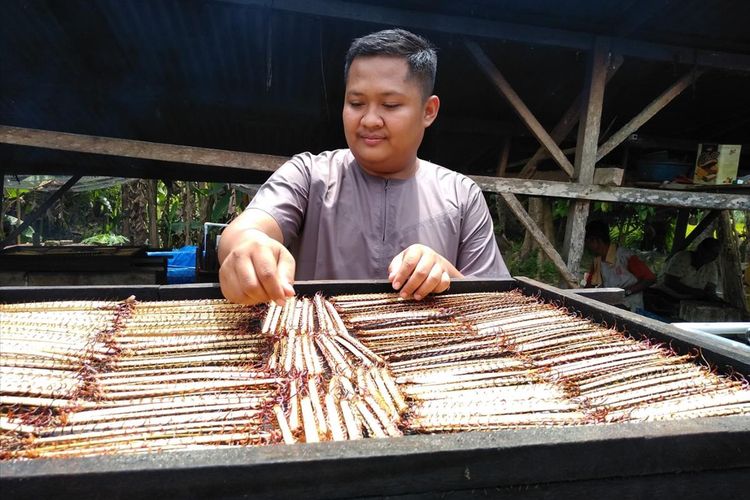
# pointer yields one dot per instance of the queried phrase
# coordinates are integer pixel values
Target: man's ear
(431, 108)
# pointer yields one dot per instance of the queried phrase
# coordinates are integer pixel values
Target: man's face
(385, 115)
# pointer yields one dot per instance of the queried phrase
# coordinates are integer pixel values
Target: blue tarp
(180, 264)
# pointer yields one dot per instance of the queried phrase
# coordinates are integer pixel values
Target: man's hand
(256, 270)
(419, 271)
(255, 265)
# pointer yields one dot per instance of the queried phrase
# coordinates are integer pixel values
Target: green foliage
(27, 234)
(107, 239)
(531, 265)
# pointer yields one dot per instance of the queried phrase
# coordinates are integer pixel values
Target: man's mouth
(372, 140)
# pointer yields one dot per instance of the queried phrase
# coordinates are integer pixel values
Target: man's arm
(643, 274)
(675, 284)
(255, 265)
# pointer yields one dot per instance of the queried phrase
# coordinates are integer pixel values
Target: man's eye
(355, 104)
(391, 105)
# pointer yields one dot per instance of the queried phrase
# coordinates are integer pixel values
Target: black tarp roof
(266, 77)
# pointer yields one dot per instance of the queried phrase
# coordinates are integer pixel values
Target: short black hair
(420, 55)
(709, 244)
(597, 229)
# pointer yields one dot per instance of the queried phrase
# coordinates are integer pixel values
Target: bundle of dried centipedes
(86, 378)
(499, 360)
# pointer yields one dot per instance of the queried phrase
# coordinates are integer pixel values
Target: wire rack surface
(82, 378)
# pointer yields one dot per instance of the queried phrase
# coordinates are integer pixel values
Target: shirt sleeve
(284, 196)
(478, 254)
(639, 269)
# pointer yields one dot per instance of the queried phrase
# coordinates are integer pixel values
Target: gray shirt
(340, 222)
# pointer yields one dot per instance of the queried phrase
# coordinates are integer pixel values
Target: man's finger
(266, 269)
(286, 270)
(394, 266)
(410, 260)
(430, 284)
(419, 274)
(238, 281)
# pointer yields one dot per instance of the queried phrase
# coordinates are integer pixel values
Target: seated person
(374, 210)
(693, 274)
(615, 266)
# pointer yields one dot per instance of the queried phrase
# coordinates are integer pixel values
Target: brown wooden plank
(614, 194)
(648, 112)
(139, 149)
(539, 236)
(518, 105)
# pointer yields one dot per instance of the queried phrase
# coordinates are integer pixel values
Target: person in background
(693, 275)
(615, 266)
(374, 210)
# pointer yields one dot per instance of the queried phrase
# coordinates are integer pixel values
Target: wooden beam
(539, 236)
(648, 112)
(566, 124)
(139, 149)
(586, 145)
(614, 194)
(502, 164)
(498, 30)
(518, 106)
(680, 228)
(41, 209)
(733, 290)
(705, 223)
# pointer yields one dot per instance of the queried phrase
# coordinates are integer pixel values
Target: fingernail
(417, 297)
(403, 295)
(396, 285)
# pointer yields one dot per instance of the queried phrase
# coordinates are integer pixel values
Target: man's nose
(372, 118)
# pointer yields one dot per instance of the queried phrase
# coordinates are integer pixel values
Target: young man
(615, 266)
(372, 211)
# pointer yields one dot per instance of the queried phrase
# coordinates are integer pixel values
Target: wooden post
(731, 269)
(502, 164)
(566, 124)
(648, 112)
(2, 205)
(188, 212)
(518, 106)
(153, 230)
(544, 243)
(586, 147)
(680, 228)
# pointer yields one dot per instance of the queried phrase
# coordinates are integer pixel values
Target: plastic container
(662, 170)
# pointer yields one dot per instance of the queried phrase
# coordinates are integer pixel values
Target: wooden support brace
(539, 236)
(518, 106)
(41, 209)
(139, 149)
(648, 112)
(566, 124)
(704, 224)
